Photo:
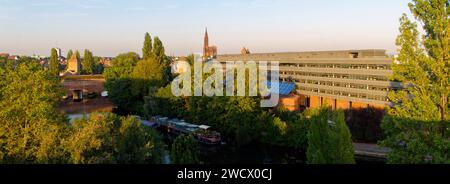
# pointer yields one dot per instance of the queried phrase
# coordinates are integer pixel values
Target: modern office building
(339, 79)
(58, 52)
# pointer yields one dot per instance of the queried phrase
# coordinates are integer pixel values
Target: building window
(354, 55)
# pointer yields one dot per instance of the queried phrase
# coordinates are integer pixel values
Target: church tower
(208, 51)
(206, 45)
(74, 65)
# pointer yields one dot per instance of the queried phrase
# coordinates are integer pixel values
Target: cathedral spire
(206, 44)
(208, 51)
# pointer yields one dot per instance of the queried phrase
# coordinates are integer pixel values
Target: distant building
(58, 52)
(44, 62)
(73, 66)
(106, 62)
(4, 55)
(337, 79)
(14, 57)
(9, 57)
(245, 51)
(179, 65)
(209, 52)
(38, 57)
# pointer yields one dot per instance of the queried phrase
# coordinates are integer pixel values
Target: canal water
(250, 154)
(254, 154)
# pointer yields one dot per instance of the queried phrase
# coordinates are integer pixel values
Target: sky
(110, 27)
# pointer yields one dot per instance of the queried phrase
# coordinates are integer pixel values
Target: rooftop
(369, 53)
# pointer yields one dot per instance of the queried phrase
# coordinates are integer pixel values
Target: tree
(147, 73)
(158, 53)
(163, 103)
(114, 73)
(30, 122)
(53, 63)
(329, 139)
(32, 130)
(147, 49)
(119, 82)
(291, 130)
(122, 66)
(129, 59)
(185, 150)
(106, 138)
(69, 54)
(88, 62)
(99, 67)
(137, 143)
(91, 140)
(77, 54)
(417, 127)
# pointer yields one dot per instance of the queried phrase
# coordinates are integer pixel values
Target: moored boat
(202, 133)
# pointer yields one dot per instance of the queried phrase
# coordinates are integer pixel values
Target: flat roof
(367, 53)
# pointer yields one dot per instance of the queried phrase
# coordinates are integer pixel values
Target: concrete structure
(106, 62)
(58, 52)
(338, 79)
(209, 52)
(245, 50)
(74, 66)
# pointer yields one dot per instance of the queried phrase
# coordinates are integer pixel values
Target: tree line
(416, 128)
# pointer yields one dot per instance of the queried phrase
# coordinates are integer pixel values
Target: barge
(202, 133)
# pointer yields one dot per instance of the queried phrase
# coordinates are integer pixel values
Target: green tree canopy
(329, 139)
(53, 63)
(77, 54)
(30, 123)
(32, 130)
(98, 66)
(147, 73)
(69, 54)
(147, 48)
(88, 62)
(120, 84)
(185, 150)
(158, 51)
(420, 119)
(106, 138)
(129, 59)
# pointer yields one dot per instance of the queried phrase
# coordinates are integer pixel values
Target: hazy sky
(109, 27)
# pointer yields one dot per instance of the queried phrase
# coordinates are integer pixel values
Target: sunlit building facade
(338, 79)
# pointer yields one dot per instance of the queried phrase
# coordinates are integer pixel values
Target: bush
(185, 150)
